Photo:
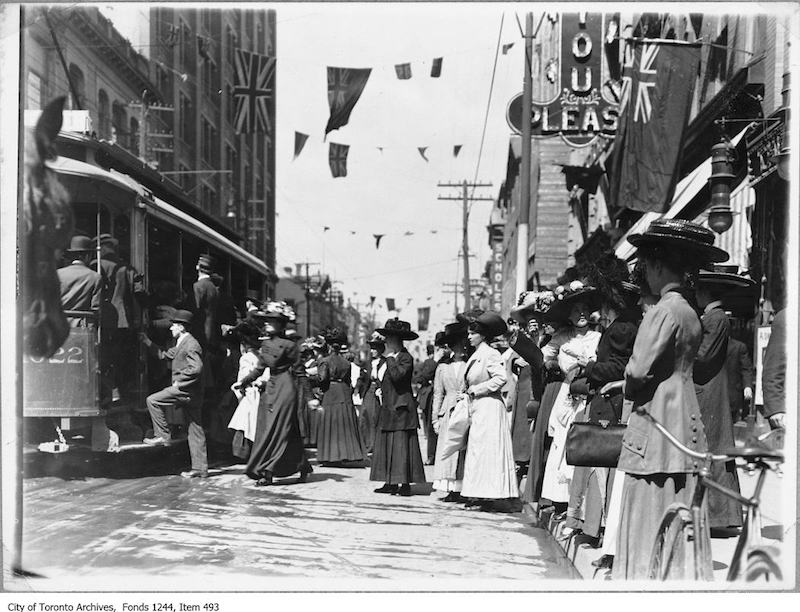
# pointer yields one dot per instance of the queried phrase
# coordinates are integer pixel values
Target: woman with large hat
(278, 447)
(711, 384)
(367, 420)
(397, 460)
(658, 380)
(489, 471)
(526, 364)
(573, 304)
(338, 439)
(620, 311)
(448, 474)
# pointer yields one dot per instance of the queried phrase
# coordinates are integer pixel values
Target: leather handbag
(594, 444)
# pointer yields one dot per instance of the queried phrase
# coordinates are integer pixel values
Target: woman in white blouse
(489, 470)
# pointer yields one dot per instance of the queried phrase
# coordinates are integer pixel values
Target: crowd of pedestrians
(496, 399)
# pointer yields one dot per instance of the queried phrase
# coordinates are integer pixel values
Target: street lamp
(720, 216)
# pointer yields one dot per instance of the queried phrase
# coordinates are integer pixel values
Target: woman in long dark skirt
(541, 440)
(397, 460)
(278, 448)
(338, 438)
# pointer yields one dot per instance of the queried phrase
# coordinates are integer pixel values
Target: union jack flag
(344, 89)
(253, 92)
(337, 158)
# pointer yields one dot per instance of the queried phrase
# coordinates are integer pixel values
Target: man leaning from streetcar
(186, 391)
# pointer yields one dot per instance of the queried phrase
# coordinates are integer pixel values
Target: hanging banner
(423, 315)
(390, 304)
(253, 92)
(574, 94)
(337, 159)
(658, 84)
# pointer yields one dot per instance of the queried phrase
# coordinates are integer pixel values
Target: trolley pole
(525, 178)
(465, 202)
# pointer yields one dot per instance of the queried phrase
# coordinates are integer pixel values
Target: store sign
(574, 95)
(496, 280)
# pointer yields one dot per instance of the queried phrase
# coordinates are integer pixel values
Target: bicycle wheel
(762, 566)
(673, 549)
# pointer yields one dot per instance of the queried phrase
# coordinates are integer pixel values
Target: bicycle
(682, 524)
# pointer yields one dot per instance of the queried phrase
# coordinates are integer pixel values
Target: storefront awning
(685, 192)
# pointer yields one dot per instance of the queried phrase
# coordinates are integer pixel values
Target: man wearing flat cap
(186, 391)
(81, 287)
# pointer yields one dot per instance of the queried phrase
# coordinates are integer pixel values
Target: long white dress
(246, 413)
(557, 473)
(447, 383)
(489, 470)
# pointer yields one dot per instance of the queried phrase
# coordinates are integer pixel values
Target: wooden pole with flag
(525, 167)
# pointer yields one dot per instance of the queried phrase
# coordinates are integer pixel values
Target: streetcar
(160, 233)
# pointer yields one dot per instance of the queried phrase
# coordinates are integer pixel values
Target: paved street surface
(154, 531)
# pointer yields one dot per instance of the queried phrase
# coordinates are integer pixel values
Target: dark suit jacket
(187, 365)
(740, 373)
(81, 289)
(206, 298)
(117, 305)
(773, 376)
(398, 406)
(613, 352)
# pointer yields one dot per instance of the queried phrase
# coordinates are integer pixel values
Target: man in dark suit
(740, 378)
(397, 460)
(119, 316)
(81, 287)
(206, 299)
(773, 376)
(186, 391)
(425, 400)
(711, 386)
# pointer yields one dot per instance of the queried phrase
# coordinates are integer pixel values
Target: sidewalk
(582, 550)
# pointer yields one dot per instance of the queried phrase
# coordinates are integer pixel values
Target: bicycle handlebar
(677, 443)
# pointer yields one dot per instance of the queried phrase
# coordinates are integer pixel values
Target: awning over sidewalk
(685, 192)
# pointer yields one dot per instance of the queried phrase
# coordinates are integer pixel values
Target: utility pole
(308, 294)
(525, 182)
(465, 200)
(454, 287)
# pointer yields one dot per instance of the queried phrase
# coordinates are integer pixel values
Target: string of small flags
(337, 153)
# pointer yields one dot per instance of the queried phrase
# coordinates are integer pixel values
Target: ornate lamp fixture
(720, 216)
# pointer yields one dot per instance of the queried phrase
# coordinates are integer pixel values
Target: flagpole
(525, 167)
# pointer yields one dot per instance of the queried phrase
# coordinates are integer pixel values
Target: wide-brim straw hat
(560, 309)
(681, 234)
(720, 276)
(399, 329)
(532, 304)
